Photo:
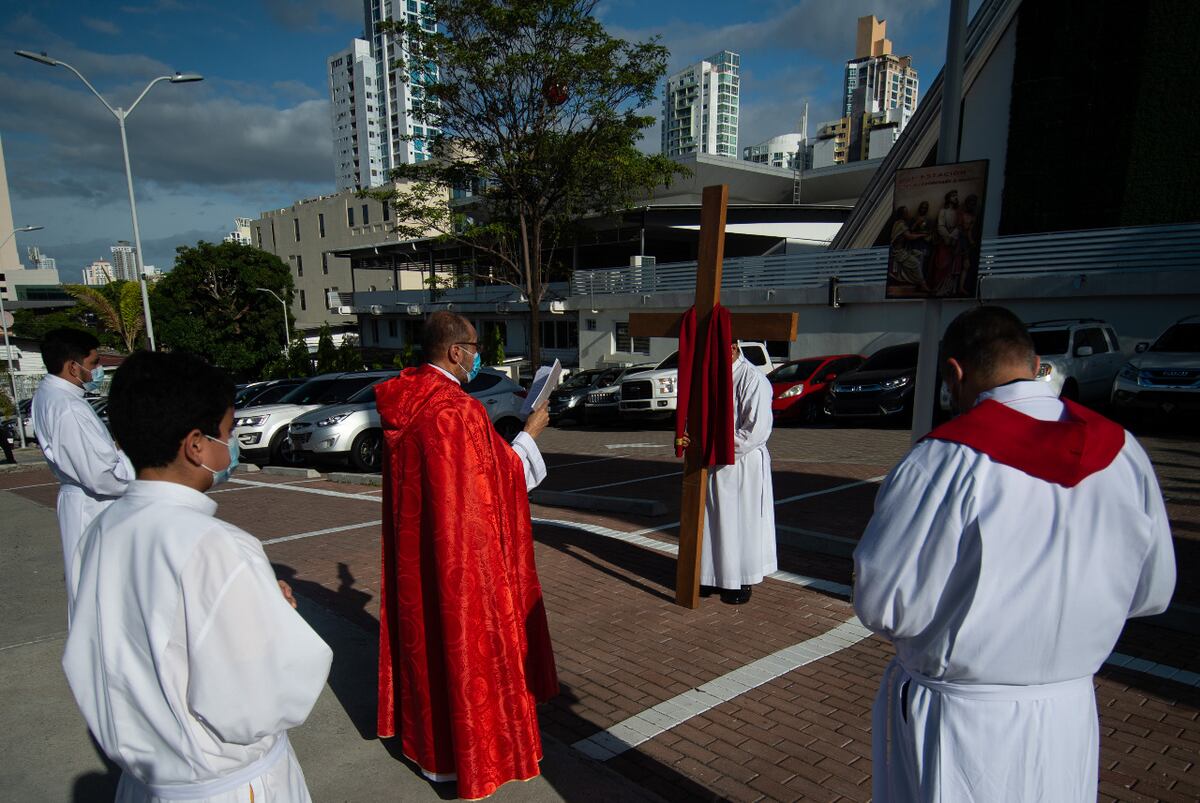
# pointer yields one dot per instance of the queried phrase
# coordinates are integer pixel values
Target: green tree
(117, 305)
(537, 109)
(327, 354)
(33, 324)
(493, 345)
(209, 305)
(296, 363)
(349, 357)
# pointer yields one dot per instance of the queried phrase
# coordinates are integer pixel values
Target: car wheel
(282, 452)
(812, 412)
(508, 428)
(366, 453)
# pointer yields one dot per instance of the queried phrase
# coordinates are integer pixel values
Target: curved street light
(12, 378)
(287, 330)
(121, 114)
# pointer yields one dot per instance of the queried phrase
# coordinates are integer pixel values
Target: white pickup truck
(655, 391)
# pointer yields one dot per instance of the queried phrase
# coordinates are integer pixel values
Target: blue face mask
(476, 366)
(234, 452)
(97, 379)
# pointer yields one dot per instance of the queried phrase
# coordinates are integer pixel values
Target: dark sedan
(882, 387)
(567, 400)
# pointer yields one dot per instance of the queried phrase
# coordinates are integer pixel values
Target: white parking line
(23, 487)
(317, 491)
(643, 727)
(264, 485)
(51, 637)
(834, 489)
(326, 531)
(585, 462)
(623, 482)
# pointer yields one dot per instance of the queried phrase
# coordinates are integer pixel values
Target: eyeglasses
(474, 344)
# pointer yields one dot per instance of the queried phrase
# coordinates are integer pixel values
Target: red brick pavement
(622, 646)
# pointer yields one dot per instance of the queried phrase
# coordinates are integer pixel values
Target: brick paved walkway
(629, 658)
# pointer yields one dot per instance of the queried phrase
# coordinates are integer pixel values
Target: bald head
(983, 348)
(449, 342)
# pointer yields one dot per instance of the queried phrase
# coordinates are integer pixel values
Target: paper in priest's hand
(544, 382)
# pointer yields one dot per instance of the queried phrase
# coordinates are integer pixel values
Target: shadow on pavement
(92, 787)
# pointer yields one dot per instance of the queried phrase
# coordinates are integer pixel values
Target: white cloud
(101, 26)
(312, 15)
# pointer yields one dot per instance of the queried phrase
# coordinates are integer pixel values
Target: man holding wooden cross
(739, 510)
(705, 411)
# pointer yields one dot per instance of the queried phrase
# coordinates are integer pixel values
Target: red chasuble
(464, 648)
(714, 435)
(1062, 452)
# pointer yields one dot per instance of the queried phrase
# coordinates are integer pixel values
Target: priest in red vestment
(464, 647)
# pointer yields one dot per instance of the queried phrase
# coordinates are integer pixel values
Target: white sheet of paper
(545, 381)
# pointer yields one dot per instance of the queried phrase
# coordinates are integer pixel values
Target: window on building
(374, 331)
(387, 211)
(299, 265)
(325, 264)
(350, 216)
(393, 328)
(303, 303)
(321, 223)
(296, 227)
(628, 345)
(366, 215)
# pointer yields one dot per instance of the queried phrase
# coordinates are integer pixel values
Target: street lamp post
(12, 378)
(120, 114)
(287, 330)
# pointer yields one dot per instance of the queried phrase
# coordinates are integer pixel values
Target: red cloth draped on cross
(713, 432)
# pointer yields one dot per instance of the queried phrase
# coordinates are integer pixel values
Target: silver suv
(262, 432)
(1166, 374)
(352, 430)
(1080, 357)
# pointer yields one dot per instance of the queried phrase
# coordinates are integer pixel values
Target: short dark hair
(157, 399)
(985, 338)
(61, 346)
(442, 330)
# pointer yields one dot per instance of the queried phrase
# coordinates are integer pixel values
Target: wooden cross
(755, 326)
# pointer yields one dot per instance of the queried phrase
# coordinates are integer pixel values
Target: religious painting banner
(934, 233)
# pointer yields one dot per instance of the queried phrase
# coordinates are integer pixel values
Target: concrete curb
(617, 504)
(288, 471)
(351, 478)
(247, 468)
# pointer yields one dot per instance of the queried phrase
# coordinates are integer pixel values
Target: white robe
(1003, 595)
(739, 515)
(185, 659)
(89, 467)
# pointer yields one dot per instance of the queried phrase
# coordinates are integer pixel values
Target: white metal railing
(1142, 249)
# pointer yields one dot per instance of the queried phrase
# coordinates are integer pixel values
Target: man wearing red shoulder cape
(1005, 554)
(464, 648)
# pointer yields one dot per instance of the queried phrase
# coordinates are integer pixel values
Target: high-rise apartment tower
(700, 108)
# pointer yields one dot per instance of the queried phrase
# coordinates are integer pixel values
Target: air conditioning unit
(333, 299)
(558, 307)
(642, 261)
(344, 310)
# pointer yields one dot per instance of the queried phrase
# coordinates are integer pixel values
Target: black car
(567, 400)
(256, 394)
(883, 386)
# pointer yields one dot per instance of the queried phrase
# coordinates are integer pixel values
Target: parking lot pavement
(764, 701)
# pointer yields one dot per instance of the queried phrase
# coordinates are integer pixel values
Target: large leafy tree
(209, 304)
(118, 307)
(536, 108)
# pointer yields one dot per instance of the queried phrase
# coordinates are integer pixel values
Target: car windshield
(1050, 342)
(670, 362)
(1182, 337)
(483, 382)
(269, 396)
(796, 372)
(893, 358)
(326, 391)
(364, 396)
(581, 380)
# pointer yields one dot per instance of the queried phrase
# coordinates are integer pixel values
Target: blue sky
(255, 134)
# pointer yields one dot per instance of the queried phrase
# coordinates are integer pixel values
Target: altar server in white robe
(1005, 554)
(739, 516)
(186, 656)
(90, 469)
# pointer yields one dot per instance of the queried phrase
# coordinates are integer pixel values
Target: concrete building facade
(700, 108)
(99, 273)
(306, 236)
(124, 261)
